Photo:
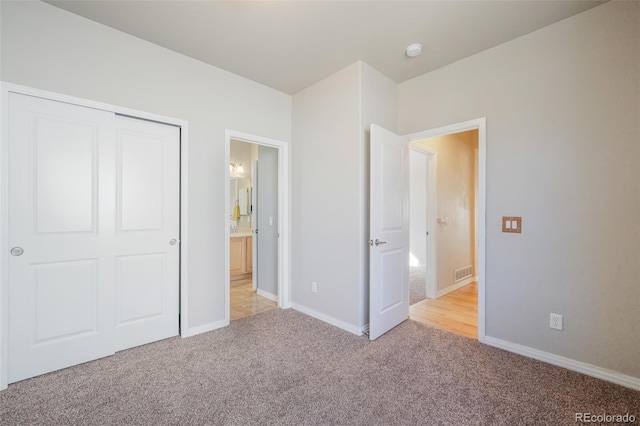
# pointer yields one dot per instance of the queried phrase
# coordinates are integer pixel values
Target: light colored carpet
(285, 368)
(417, 285)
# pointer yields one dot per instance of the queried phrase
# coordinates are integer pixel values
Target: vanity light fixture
(236, 170)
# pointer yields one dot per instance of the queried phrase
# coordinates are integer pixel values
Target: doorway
(390, 167)
(447, 225)
(257, 228)
(253, 249)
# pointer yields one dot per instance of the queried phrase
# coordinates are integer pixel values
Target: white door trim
(284, 254)
(5, 89)
(481, 125)
(432, 216)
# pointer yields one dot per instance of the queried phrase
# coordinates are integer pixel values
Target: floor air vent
(463, 273)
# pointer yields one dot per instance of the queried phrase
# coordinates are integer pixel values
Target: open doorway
(253, 249)
(257, 225)
(443, 231)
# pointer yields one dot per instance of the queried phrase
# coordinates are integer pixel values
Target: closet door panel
(148, 231)
(61, 216)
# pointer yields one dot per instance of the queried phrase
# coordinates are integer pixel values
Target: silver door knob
(173, 241)
(17, 251)
(377, 242)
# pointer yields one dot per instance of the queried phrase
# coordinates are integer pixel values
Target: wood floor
(245, 301)
(456, 311)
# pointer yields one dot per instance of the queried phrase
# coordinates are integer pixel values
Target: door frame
(431, 263)
(479, 124)
(5, 89)
(284, 243)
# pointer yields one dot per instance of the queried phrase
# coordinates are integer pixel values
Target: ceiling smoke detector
(414, 50)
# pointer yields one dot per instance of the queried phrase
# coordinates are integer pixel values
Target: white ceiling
(292, 44)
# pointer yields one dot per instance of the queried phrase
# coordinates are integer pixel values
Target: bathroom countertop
(240, 234)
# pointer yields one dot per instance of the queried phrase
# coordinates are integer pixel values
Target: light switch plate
(512, 224)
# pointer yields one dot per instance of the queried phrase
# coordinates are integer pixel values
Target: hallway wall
(455, 230)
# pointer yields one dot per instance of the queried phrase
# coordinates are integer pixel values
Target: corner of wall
(326, 117)
(378, 105)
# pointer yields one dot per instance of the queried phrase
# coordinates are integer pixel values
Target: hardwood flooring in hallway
(456, 311)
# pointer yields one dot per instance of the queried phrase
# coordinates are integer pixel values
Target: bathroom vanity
(241, 255)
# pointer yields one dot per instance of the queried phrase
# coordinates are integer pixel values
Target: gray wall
(330, 158)
(48, 48)
(326, 219)
(563, 149)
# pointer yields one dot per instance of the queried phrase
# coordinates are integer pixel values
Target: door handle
(377, 242)
(173, 241)
(17, 251)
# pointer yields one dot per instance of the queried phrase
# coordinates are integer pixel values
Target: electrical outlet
(314, 287)
(555, 321)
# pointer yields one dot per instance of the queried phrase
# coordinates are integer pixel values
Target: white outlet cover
(555, 321)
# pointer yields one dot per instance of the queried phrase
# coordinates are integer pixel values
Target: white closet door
(61, 225)
(147, 237)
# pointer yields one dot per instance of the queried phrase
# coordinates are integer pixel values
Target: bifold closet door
(61, 228)
(93, 232)
(147, 246)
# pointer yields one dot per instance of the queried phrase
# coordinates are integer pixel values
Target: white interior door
(267, 236)
(146, 242)
(61, 223)
(389, 231)
(254, 222)
(418, 208)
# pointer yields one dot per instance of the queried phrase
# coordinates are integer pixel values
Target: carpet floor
(285, 368)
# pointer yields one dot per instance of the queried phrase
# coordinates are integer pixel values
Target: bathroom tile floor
(245, 301)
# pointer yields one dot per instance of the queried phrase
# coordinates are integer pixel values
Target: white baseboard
(328, 319)
(568, 363)
(455, 286)
(267, 295)
(192, 331)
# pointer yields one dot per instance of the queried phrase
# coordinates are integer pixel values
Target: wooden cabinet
(249, 262)
(236, 254)
(241, 257)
